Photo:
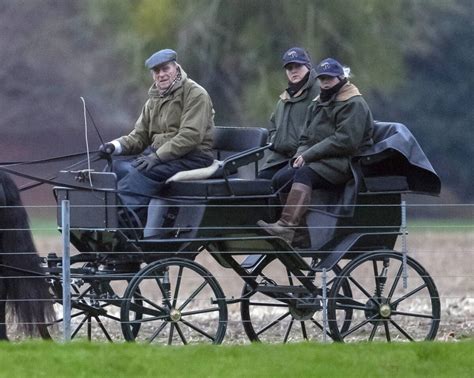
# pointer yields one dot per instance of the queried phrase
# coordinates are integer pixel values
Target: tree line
(412, 59)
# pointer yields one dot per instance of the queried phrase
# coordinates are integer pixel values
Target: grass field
(41, 359)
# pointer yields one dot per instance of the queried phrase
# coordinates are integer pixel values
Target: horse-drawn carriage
(348, 284)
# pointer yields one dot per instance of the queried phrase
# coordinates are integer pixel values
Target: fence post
(66, 271)
(325, 307)
(404, 244)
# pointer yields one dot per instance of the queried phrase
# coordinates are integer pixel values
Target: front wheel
(383, 309)
(175, 301)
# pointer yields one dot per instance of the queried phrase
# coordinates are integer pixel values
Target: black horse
(23, 288)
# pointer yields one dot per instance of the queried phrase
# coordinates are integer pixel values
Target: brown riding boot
(296, 206)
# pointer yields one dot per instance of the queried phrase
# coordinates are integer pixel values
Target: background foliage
(412, 59)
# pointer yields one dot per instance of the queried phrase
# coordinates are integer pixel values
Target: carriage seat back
(234, 172)
(92, 199)
(234, 148)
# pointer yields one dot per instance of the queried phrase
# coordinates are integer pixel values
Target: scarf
(294, 88)
(326, 94)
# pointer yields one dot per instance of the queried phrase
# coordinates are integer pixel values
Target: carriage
(348, 284)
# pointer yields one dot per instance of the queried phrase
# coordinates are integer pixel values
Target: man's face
(164, 75)
(327, 82)
(295, 72)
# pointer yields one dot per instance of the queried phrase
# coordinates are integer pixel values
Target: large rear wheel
(383, 309)
(268, 319)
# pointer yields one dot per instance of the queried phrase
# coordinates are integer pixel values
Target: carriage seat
(237, 151)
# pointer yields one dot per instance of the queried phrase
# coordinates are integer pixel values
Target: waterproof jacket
(180, 122)
(334, 131)
(287, 122)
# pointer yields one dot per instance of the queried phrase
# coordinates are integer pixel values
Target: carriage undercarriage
(349, 285)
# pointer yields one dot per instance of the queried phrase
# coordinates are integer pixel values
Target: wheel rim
(180, 303)
(383, 310)
(267, 319)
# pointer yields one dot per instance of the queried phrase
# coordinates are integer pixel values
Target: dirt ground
(447, 256)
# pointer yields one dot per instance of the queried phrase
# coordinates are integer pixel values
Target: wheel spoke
(193, 295)
(197, 329)
(395, 282)
(178, 284)
(361, 324)
(137, 308)
(170, 337)
(354, 281)
(317, 324)
(346, 302)
(303, 330)
(180, 333)
(158, 331)
(103, 328)
(395, 324)
(148, 320)
(421, 287)
(203, 311)
(387, 331)
(276, 321)
(412, 314)
(290, 278)
(86, 318)
(288, 329)
(148, 301)
(374, 330)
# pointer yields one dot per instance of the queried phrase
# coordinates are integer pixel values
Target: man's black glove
(146, 162)
(105, 150)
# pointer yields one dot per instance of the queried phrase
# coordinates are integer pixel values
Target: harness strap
(47, 160)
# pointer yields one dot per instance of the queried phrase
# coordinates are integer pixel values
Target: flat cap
(160, 57)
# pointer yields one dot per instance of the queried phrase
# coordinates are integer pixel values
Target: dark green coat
(287, 122)
(174, 125)
(334, 131)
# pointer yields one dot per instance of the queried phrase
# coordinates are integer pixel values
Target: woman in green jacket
(286, 122)
(339, 124)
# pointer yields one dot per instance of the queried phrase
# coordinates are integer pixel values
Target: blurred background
(412, 59)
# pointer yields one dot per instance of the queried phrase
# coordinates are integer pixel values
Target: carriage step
(281, 289)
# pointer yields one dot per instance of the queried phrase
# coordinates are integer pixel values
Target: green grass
(41, 359)
(441, 225)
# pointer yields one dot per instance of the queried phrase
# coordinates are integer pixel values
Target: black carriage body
(196, 213)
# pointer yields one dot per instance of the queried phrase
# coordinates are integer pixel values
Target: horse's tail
(27, 290)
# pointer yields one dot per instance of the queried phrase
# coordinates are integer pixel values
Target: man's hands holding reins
(105, 150)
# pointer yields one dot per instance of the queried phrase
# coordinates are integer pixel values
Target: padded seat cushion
(219, 188)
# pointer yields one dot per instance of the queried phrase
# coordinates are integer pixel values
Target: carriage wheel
(383, 308)
(95, 309)
(180, 303)
(266, 319)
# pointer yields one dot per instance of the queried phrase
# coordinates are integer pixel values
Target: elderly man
(177, 124)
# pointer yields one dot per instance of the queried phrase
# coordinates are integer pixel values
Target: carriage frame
(318, 286)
